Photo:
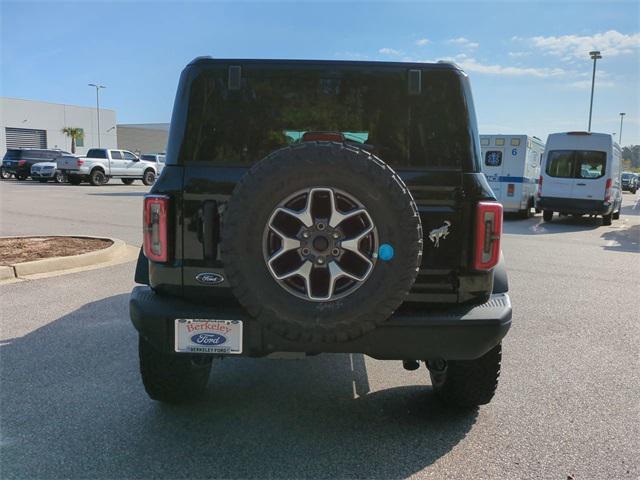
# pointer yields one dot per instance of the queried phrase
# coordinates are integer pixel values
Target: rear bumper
(458, 333)
(575, 205)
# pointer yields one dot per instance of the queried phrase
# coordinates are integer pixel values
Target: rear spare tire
(321, 242)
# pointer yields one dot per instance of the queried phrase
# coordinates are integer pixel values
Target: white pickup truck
(102, 164)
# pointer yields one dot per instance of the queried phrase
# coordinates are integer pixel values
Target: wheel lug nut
(335, 235)
(305, 234)
(305, 251)
(335, 252)
(320, 260)
(320, 226)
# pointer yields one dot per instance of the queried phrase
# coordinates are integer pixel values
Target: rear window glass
(576, 164)
(493, 158)
(148, 158)
(372, 108)
(97, 153)
(12, 154)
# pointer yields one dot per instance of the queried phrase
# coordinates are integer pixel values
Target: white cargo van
(511, 164)
(581, 176)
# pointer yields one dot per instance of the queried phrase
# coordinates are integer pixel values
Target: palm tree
(74, 133)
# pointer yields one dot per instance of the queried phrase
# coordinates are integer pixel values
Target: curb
(7, 273)
(58, 264)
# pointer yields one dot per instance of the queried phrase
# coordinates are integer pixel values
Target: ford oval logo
(209, 278)
(208, 339)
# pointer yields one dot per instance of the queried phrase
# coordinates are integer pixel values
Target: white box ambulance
(511, 164)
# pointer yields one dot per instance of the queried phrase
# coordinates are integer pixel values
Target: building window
(499, 142)
(515, 142)
(25, 138)
(484, 142)
(80, 139)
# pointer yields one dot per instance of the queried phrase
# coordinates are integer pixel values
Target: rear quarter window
(97, 153)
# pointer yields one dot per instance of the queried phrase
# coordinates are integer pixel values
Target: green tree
(74, 133)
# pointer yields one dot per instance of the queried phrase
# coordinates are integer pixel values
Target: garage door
(26, 138)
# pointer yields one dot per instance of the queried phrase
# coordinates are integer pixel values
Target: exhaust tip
(410, 364)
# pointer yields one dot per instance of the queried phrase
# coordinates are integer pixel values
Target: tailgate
(67, 162)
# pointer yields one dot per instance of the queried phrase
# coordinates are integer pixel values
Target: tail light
(540, 186)
(487, 237)
(155, 228)
(607, 190)
(21, 162)
(80, 162)
(510, 189)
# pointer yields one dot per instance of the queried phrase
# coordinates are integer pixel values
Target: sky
(528, 62)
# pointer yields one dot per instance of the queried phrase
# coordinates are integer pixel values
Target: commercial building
(143, 137)
(34, 124)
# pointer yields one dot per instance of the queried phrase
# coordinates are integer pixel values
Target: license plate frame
(205, 335)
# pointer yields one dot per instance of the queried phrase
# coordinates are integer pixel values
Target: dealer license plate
(208, 336)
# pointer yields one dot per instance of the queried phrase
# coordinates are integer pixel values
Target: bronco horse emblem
(437, 233)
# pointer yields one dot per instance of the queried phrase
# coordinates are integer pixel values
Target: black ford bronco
(322, 206)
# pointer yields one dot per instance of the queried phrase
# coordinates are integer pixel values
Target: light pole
(98, 87)
(622, 114)
(595, 55)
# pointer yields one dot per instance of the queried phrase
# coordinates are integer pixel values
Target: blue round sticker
(385, 252)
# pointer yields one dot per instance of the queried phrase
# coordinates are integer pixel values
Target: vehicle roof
(533, 138)
(30, 149)
(574, 134)
(581, 140)
(440, 65)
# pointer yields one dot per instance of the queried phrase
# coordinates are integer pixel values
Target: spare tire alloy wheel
(321, 242)
(326, 250)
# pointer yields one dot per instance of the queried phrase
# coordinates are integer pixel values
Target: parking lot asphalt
(568, 403)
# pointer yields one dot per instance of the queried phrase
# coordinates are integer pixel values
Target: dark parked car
(629, 182)
(322, 206)
(18, 161)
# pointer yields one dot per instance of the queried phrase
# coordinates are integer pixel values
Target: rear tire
(97, 178)
(616, 215)
(547, 215)
(468, 383)
(526, 213)
(73, 180)
(21, 176)
(127, 181)
(607, 219)
(60, 177)
(149, 177)
(4, 174)
(172, 378)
